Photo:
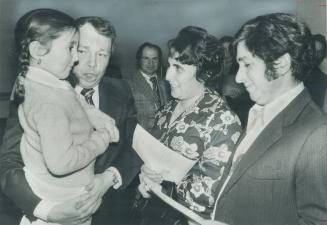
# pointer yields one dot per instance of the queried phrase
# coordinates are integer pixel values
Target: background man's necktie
(87, 93)
(155, 88)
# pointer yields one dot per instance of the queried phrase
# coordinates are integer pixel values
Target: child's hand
(113, 131)
(101, 121)
(102, 138)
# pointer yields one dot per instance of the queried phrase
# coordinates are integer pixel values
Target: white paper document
(159, 157)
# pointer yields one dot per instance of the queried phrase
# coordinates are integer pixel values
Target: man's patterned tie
(87, 93)
(155, 88)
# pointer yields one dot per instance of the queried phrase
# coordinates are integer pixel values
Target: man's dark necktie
(155, 88)
(87, 93)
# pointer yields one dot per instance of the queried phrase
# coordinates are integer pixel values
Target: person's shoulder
(39, 94)
(218, 105)
(216, 100)
(313, 114)
(135, 81)
(135, 76)
(117, 87)
(116, 83)
(303, 115)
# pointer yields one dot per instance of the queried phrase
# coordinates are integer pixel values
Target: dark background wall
(156, 21)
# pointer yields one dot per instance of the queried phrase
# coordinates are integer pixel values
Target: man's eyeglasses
(146, 59)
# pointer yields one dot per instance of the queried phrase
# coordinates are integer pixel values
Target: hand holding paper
(147, 183)
(159, 157)
(152, 174)
(161, 163)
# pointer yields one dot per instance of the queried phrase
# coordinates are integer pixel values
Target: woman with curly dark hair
(197, 124)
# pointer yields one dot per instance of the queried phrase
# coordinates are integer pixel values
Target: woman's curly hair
(196, 47)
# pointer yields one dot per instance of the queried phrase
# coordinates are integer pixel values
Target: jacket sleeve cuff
(43, 209)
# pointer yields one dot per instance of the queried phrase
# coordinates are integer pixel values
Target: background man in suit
(149, 88)
(117, 167)
(279, 168)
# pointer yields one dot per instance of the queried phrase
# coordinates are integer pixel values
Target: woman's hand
(148, 176)
(144, 188)
(151, 174)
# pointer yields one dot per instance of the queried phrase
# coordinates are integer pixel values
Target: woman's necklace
(183, 109)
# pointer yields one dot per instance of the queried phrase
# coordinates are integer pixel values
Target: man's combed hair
(271, 36)
(101, 25)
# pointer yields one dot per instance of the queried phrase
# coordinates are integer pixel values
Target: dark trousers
(154, 211)
(116, 207)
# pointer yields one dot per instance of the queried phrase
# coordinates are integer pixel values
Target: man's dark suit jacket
(317, 86)
(282, 178)
(116, 100)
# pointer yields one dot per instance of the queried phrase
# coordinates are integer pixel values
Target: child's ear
(37, 50)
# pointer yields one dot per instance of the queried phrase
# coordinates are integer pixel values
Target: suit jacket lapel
(103, 104)
(271, 134)
(108, 103)
(146, 87)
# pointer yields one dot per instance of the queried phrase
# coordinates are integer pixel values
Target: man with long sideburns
(279, 169)
(115, 169)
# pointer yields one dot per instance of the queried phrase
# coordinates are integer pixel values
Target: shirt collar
(271, 110)
(146, 76)
(44, 77)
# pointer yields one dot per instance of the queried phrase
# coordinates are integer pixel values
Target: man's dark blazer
(117, 101)
(146, 101)
(282, 178)
(317, 86)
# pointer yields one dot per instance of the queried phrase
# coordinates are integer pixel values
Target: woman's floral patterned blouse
(207, 132)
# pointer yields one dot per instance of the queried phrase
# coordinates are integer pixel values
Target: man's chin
(149, 72)
(88, 84)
